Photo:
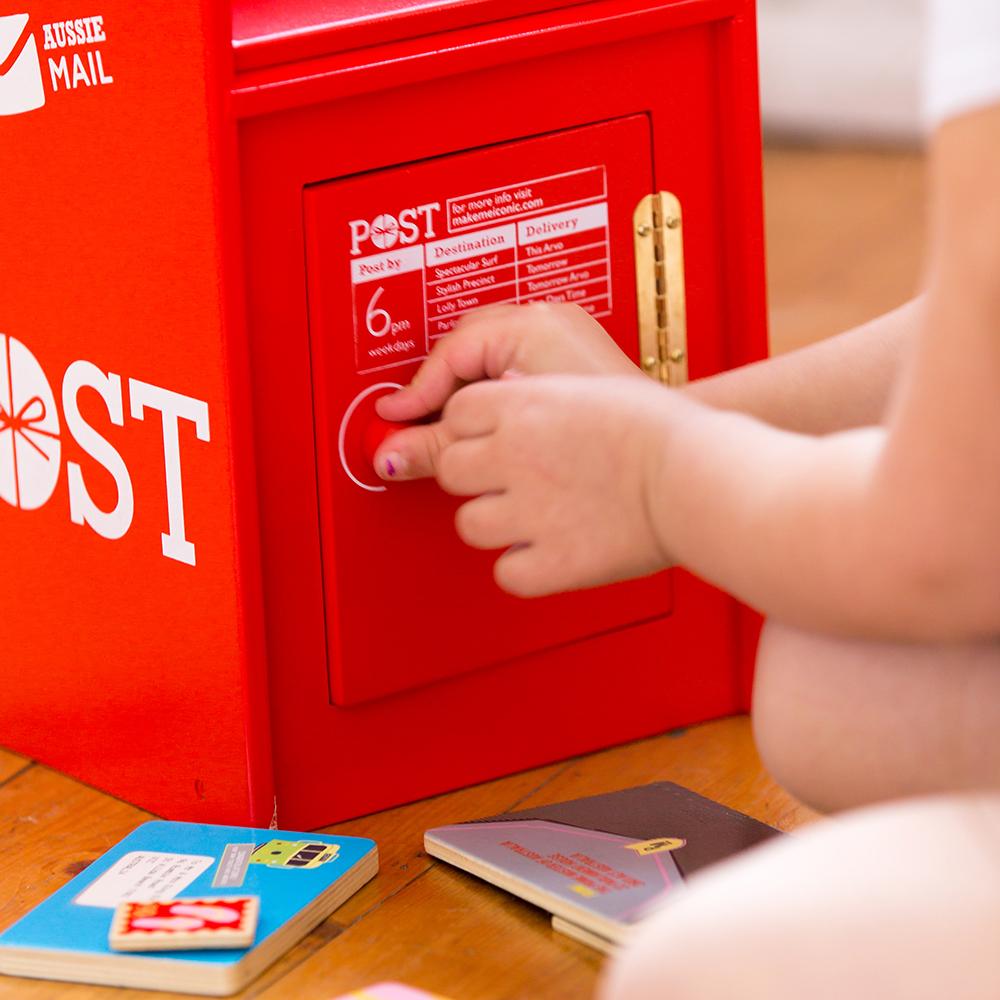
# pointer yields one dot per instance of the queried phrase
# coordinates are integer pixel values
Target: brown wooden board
(11, 764)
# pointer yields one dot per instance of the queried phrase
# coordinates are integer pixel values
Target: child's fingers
(413, 453)
(487, 523)
(475, 410)
(478, 348)
(433, 383)
(468, 468)
(518, 572)
(542, 565)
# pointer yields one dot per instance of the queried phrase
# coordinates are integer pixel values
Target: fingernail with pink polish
(393, 466)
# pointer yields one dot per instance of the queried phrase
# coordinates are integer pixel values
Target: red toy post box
(225, 234)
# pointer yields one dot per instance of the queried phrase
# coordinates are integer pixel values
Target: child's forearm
(833, 385)
(809, 530)
(894, 531)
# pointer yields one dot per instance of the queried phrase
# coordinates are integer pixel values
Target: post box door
(395, 258)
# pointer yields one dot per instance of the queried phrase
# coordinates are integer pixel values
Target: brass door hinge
(659, 279)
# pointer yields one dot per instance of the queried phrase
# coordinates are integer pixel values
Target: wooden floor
(845, 235)
(844, 232)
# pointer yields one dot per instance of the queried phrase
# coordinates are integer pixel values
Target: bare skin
(840, 383)
(848, 722)
(850, 491)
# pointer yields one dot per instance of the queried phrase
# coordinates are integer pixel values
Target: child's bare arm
(844, 381)
(890, 532)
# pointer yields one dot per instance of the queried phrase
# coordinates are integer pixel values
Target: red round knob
(375, 432)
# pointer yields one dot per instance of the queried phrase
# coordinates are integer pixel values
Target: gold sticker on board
(656, 845)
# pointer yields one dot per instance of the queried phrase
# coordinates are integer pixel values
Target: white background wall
(844, 68)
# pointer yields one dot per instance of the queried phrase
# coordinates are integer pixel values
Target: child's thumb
(412, 453)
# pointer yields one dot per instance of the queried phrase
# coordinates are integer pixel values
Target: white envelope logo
(20, 73)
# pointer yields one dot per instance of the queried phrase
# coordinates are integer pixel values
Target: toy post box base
(219, 609)
(613, 688)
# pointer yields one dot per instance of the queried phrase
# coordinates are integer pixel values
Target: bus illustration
(293, 854)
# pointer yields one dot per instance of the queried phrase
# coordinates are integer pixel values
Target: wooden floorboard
(11, 764)
(51, 828)
(845, 233)
(845, 238)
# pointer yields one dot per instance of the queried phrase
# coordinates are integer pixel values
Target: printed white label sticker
(407, 298)
(144, 876)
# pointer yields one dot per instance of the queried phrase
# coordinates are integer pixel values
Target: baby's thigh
(900, 900)
(847, 722)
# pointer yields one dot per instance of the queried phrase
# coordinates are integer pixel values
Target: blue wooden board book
(299, 878)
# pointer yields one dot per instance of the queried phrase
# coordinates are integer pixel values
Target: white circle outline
(342, 436)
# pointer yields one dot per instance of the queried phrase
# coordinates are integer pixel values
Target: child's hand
(536, 339)
(565, 466)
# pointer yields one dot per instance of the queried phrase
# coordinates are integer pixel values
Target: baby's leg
(899, 900)
(842, 722)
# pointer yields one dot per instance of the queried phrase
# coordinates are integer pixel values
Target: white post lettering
(82, 509)
(360, 231)
(173, 407)
(428, 211)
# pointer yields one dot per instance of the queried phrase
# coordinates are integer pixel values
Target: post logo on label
(386, 230)
(21, 87)
(31, 444)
